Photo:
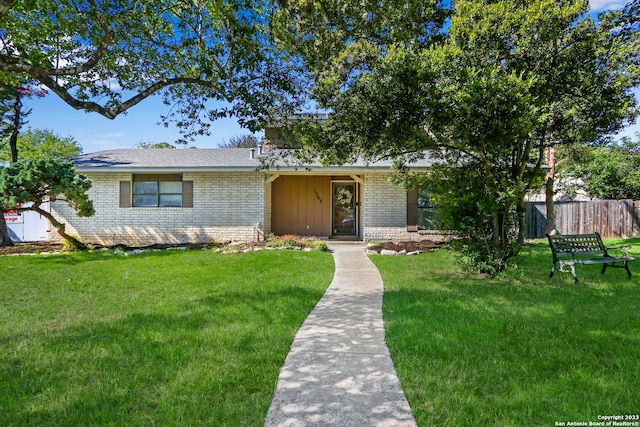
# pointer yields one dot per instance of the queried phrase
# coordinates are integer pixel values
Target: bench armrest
(624, 249)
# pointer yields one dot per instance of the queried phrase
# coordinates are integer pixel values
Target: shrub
(292, 241)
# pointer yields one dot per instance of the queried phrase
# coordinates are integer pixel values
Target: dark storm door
(344, 208)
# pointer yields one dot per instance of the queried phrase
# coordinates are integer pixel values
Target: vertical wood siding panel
(295, 205)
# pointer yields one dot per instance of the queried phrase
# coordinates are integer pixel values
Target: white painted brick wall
(227, 206)
(384, 211)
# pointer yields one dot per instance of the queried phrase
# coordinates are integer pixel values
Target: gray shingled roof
(204, 160)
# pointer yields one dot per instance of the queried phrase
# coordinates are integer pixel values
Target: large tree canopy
(106, 56)
(483, 100)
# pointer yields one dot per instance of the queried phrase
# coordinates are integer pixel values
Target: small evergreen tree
(34, 180)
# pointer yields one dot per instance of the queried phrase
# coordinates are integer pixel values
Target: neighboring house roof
(209, 160)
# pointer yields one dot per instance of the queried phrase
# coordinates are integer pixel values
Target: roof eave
(227, 169)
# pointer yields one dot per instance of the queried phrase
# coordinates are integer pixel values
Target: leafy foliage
(608, 172)
(108, 56)
(481, 100)
(155, 145)
(34, 180)
(35, 143)
(241, 141)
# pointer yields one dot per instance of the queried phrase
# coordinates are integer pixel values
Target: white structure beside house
(28, 226)
(147, 196)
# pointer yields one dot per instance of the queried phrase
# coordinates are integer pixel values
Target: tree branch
(12, 64)
(112, 113)
(59, 226)
(6, 5)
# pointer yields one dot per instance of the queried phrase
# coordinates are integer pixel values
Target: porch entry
(344, 198)
(314, 205)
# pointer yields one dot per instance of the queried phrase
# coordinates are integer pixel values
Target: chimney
(253, 153)
(260, 149)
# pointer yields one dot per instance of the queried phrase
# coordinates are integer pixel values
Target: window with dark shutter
(125, 194)
(187, 194)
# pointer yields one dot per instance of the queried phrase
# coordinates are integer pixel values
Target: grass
(161, 338)
(517, 350)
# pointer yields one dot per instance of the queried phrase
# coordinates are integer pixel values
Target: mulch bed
(409, 246)
(48, 247)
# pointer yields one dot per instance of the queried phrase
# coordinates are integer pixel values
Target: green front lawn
(519, 350)
(162, 338)
(198, 338)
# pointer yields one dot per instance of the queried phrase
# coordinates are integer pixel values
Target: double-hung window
(157, 194)
(156, 190)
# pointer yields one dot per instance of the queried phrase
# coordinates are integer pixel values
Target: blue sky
(95, 132)
(140, 124)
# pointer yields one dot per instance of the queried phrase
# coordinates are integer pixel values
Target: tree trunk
(17, 118)
(60, 227)
(500, 243)
(5, 240)
(550, 227)
(521, 211)
(550, 154)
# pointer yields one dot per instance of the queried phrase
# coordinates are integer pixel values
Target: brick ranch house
(147, 196)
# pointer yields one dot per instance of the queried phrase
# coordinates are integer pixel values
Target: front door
(344, 208)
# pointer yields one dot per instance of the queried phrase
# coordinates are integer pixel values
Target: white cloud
(111, 135)
(602, 5)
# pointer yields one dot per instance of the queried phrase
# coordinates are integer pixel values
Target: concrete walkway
(338, 371)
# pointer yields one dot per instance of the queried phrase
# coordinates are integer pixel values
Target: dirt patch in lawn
(50, 247)
(31, 248)
(409, 246)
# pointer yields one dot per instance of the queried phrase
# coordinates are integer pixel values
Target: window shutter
(125, 194)
(412, 210)
(187, 194)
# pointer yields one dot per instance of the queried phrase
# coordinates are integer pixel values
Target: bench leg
(553, 270)
(573, 272)
(626, 267)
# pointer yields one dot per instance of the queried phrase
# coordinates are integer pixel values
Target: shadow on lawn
(524, 350)
(212, 360)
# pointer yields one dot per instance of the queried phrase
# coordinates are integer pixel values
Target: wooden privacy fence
(610, 218)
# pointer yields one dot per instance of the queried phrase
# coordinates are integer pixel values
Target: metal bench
(584, 249)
